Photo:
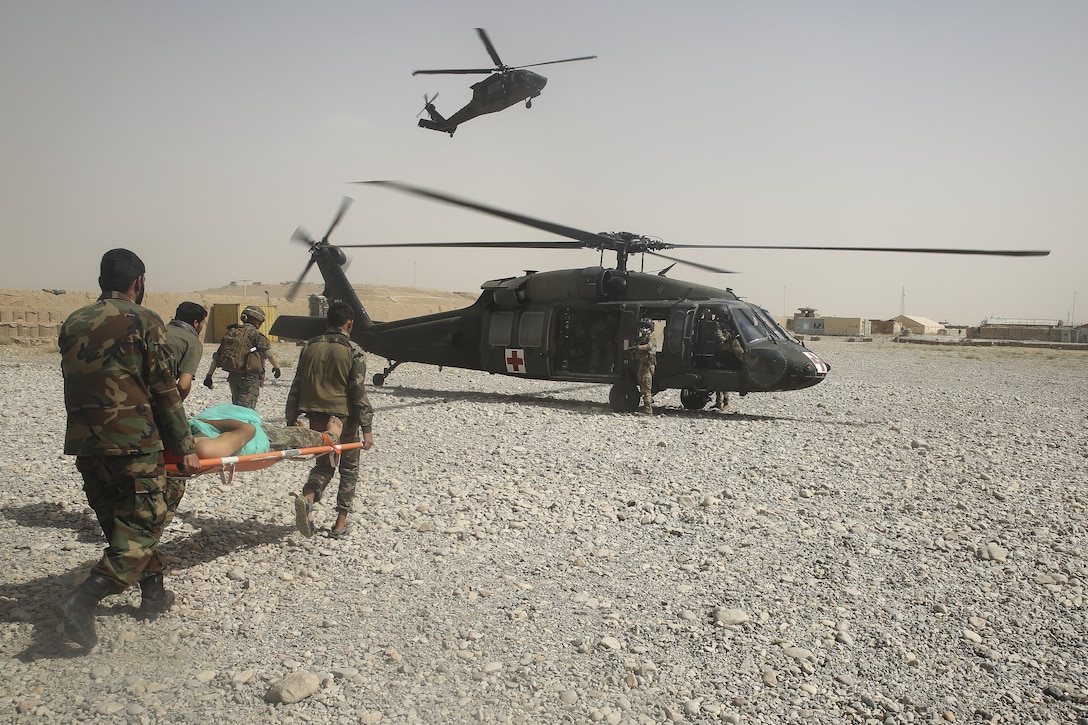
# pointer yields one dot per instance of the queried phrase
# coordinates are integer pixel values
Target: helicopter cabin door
(517, 342)
(586, 343)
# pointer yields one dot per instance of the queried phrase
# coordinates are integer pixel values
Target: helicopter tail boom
(437, 121)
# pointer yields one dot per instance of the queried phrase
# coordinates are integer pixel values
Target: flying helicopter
(505, 86)
(578, 325)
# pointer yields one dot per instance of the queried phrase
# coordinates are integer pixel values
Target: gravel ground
(903, 543)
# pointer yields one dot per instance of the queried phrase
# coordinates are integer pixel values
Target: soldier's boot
(77, 608)
(154, 599)
(647, 406)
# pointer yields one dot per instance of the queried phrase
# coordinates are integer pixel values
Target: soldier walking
(330, 381)
(242, 353)
(123, 409)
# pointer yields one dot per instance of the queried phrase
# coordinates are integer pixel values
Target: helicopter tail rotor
(428, 105)
(317, 247)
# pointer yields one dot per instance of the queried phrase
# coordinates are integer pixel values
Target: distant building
(1025, 329)
(915, 325)
(886, 327)
(806, 321)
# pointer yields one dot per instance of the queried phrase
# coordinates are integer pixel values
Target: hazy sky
(200, 134)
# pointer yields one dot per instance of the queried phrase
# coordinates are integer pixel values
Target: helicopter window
(531, 330)
(773, 327)
(674, 332)
(749, 326)
(500, 332)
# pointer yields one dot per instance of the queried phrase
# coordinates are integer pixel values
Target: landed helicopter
(579, 324)
(505, 86)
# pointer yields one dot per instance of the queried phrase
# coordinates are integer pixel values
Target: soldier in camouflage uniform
(330, 381)
(123, 408)
(183, 340)
(728, 344)
(245, 385)
(646, 359)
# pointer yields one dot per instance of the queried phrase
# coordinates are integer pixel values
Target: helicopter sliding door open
(586, 342)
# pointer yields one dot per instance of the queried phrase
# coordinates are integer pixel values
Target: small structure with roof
(916, 325)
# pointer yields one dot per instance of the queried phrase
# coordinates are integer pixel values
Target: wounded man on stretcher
(229, 434)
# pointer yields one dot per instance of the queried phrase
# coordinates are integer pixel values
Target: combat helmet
(253, 314)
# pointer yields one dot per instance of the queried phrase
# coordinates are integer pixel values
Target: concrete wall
(1042, 333)
(846, 326)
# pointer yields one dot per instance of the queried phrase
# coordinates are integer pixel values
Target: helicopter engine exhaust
(611, 284)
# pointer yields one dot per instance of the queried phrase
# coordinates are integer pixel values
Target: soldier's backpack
(234, 349)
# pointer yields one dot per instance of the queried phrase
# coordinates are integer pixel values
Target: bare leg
(233, 436)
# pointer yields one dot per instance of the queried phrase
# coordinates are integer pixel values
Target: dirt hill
(45, 308)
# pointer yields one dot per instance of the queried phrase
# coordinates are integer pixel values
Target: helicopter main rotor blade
(490, 48)
(589, 239)
(301, 235)
(551, 62)
(456, 71)
(908, 250)
(558, 244)
(344, 204)
(697, 265)
(298, 282)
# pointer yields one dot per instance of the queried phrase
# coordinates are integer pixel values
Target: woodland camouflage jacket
(119, 392)
(330, 378)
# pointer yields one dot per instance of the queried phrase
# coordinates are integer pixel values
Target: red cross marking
(514, 361)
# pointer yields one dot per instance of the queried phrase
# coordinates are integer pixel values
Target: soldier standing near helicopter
(646, 359)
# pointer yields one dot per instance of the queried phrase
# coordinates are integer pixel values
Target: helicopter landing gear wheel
(529, 103)
(625, 397)
(379, 379)
(693, 399)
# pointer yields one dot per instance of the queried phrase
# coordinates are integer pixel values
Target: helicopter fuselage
(579, 325)
(496, 92)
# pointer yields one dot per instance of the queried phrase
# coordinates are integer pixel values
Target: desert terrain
(904, 543)
(382, 303)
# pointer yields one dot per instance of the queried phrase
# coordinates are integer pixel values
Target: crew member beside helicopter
(729, 345)
(646, 358)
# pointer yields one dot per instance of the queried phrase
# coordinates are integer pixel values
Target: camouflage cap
(255, 314)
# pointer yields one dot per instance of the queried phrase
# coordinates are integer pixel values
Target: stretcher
(226, 467)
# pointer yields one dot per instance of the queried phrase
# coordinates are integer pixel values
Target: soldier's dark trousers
(321, 473)
(244, 389)
(128, 495)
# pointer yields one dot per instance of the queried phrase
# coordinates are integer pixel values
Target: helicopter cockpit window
(531, 329)
(773, 327)
(500, 331)
(748, 325)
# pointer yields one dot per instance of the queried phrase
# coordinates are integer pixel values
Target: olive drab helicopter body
(581, 324)
(504, 86)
